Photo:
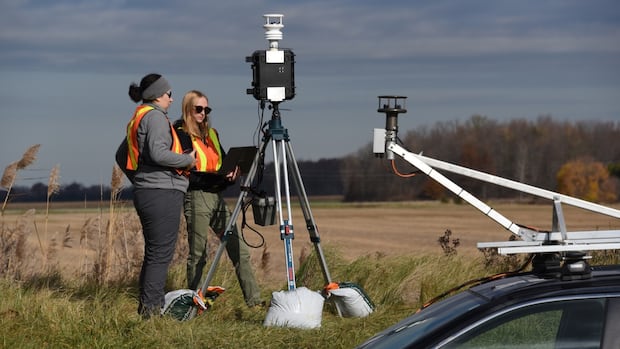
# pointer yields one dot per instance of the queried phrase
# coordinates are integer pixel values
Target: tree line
(527, 151)
(580, 158)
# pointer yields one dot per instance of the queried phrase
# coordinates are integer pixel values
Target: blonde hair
(189, 123)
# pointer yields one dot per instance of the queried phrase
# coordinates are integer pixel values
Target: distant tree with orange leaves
(586, 179)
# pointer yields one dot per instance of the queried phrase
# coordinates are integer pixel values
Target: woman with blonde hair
(204, 206)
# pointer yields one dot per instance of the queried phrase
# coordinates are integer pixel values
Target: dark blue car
(556, 310)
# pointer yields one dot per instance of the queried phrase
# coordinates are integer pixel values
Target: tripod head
(276, 130)
(275, 114)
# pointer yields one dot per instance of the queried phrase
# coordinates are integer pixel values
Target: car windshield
(409, 330)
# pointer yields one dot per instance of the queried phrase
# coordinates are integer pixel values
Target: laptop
(238, 156)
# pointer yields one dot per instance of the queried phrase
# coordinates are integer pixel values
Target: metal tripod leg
(286, 223)
(305, 207)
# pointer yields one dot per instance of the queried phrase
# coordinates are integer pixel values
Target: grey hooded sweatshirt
(156, 169)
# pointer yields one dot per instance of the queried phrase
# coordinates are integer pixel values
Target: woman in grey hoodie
(160, 183)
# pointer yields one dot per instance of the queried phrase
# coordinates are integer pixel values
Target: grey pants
(160, 214)
(205, 211)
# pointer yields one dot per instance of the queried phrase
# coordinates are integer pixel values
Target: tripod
(284, 160)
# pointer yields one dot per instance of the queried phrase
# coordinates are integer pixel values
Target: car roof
(499, 293)
(530, 283)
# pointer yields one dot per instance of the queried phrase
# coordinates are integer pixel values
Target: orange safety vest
(133, 152)
(209, 155)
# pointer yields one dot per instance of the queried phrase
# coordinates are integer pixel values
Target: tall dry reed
(8, 178)
(29, 157)
(13, 238)
(53, 187)
(10, 172)
(88, 244)
(117, 186)
(15, 258)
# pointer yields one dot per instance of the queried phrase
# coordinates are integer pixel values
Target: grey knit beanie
(156, 89)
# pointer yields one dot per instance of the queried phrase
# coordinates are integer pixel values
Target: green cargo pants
(204, 210)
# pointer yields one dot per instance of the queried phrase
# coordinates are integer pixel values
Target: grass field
(391, 249)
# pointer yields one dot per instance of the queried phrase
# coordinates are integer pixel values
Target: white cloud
(500, 58)
(75, 34)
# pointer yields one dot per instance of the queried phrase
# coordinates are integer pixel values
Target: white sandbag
(300, 308)
(351, 300)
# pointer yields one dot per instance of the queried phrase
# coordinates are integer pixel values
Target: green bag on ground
(185, 304)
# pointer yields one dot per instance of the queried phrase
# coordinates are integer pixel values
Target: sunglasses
(200, 108)
(169, 93)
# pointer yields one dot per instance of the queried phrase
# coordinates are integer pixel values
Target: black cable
(244, 224)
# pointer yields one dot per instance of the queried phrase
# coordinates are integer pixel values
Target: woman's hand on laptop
(232, 176)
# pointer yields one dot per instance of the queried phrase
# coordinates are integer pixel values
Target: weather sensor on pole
(273, 69)
(273, 34)
(391, 106)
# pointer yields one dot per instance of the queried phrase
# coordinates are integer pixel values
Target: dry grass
(115, 249)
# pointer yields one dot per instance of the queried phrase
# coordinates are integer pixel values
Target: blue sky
(66, 66)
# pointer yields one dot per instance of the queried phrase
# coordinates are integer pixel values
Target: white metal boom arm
(547, 194)
(533, 241)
